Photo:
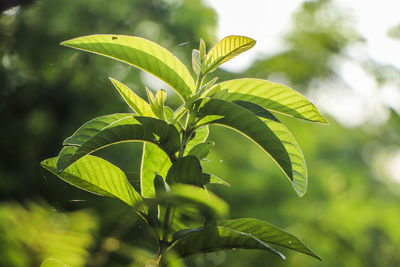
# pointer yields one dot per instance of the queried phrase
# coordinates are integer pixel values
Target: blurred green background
(349, 216)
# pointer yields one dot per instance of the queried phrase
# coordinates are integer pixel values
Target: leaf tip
(324, 121)
(44, 163)
(66, 43)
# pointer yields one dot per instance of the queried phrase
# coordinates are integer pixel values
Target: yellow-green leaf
(272, 96)
(135, 102)
(97, 176)
(154, 160)
(226, 49)
(141, 53)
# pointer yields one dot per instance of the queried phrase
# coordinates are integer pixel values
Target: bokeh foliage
(349, 215)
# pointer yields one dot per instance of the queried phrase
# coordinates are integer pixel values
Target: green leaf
(268, 233)
(247, 123)
(97, 176)
(205, 89)
(207, 120)
(150, 96)
(202, 51)
(199, 136)
(133, 128)
(272, 96)
(214, 238)
(157, 102)
(154, 160)
(201, 150)
(50, 262)
(212, 179)
(94, 126)
(299, 168)
(168, 113)
(160, 187)
(205, 201)
(158, 105)
(196, 61)
(135, 102)
(140, 53)
(216, 180)
(186, 170)
(226, 49)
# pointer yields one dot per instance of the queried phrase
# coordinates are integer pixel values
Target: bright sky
(266, 21)
(364, 102)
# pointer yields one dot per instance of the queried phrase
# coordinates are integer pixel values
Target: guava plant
(173, 199)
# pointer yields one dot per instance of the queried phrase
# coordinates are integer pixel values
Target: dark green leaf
(160, 187)
(201, 150)
(154, 160)
(93, 126)
(214, 238)
(268, 233)
(133, 128)
(295, 153)
(186, 170)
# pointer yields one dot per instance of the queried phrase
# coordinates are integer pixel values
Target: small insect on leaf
(114, 38)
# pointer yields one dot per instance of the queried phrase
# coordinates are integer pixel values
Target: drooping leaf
(201, 150)
(98, 176)
(133, 128)
(268, 233)
(225, 50)
(247, 123)
(154, 160)
(295, 154)
(272, 96)
(135, 102)
(214, 238)
(141, 53)
(186, 170)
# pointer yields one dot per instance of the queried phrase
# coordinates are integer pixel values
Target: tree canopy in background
(350, 213)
